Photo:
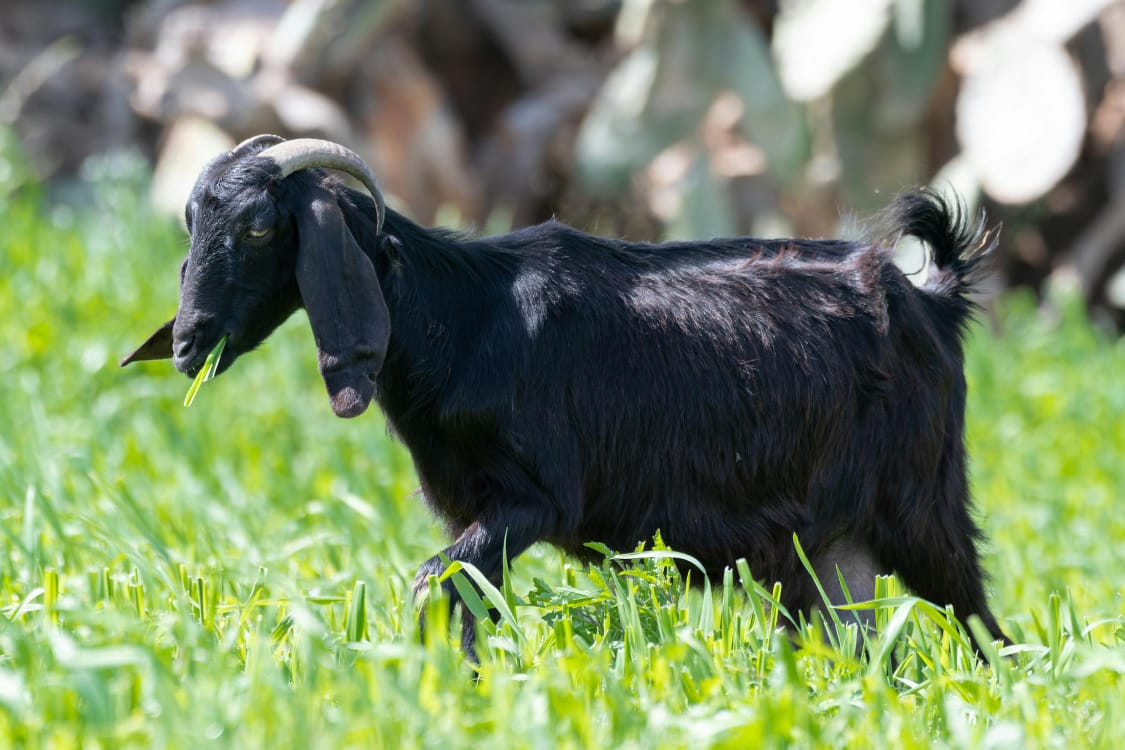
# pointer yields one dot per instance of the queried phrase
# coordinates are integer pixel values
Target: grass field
(237, 574)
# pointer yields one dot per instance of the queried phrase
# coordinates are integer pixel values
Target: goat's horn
(265, 138)
(307, 153)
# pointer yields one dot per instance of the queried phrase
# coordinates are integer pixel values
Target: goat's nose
(184, 345)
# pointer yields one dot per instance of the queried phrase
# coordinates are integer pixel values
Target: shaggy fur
(556, 386)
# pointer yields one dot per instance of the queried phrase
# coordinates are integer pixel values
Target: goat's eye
(258, 233)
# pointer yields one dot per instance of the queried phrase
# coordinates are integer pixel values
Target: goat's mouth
(198, 357)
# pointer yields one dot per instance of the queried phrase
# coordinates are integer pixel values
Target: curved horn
(266, 139)
(307, 153)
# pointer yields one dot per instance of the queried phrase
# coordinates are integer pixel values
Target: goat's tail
(958, 242)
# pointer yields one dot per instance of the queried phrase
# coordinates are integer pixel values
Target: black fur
(556, 386)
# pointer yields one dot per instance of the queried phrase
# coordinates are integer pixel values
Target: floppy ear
(158, 346)
(345, 305)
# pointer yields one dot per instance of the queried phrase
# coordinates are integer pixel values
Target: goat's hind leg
(944, 568)
(925, 530)
(935, 550)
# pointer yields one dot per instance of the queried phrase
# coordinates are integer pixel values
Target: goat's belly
(715, 530)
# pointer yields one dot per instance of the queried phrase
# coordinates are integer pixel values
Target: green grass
(207, 372)
(238, 574)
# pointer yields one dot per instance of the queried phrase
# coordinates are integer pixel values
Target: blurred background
(644, 119)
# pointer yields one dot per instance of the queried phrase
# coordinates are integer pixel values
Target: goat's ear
(345, 305)
(158, 346)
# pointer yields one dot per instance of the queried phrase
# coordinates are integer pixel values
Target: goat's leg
(482, 544)
(927, 534)
(944, 568)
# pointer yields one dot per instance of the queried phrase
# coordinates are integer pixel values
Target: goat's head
(269, 236)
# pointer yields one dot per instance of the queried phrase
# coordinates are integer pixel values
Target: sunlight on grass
(240, 573)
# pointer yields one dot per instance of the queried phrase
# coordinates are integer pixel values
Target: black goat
(556, 386)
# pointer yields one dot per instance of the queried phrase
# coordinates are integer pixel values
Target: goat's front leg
(482, 544)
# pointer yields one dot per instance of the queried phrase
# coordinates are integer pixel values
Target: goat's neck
(442, 292)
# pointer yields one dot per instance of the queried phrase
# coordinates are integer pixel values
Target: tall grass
(238, 574)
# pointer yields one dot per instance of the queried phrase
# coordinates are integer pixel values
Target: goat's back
(726, 392)
(720, 392)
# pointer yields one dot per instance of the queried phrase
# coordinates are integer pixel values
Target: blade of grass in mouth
(209, 370)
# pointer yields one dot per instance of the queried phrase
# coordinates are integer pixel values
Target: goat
(556, 386)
